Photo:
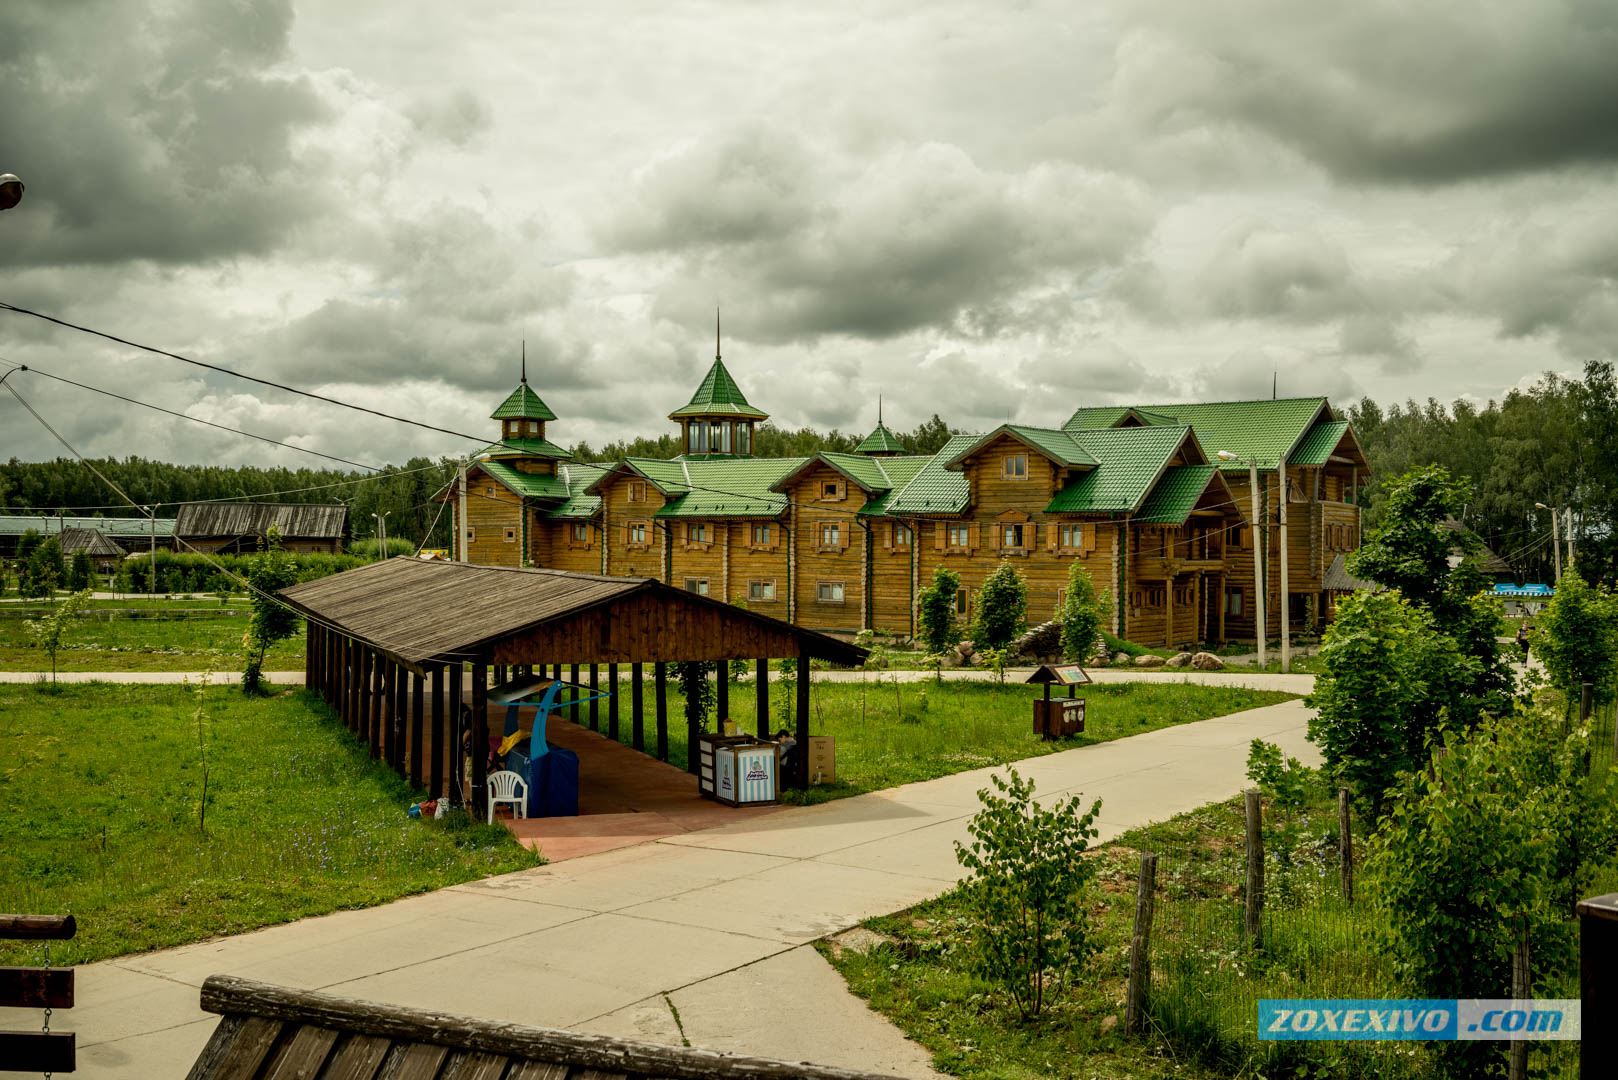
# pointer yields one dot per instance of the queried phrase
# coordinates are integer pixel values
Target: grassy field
(892, 733)
(101, 792)
(180, 636)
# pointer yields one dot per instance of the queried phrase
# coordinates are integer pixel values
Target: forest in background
(1555, 442)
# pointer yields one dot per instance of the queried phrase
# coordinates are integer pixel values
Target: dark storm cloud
(1442, 91)
(800, 244)
(140, 136)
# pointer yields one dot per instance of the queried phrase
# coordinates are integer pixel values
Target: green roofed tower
(717, 421)
(522, 419)
(880, 442)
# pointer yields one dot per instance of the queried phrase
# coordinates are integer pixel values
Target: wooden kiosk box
(738, 770)
(1058, 718)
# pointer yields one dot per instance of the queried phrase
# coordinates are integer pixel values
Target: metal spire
(525, 360)
(716, 332)
(879, 410)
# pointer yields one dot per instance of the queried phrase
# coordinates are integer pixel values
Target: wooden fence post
(1521, 989)
(595, 688)
(1586, 702)
(1140, 946)
(573, 677)
(660, 674)
(1253, 927)
(1345, 846)
(612, 702)
(763, 692)
(637, 712)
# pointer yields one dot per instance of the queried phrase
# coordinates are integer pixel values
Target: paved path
(714, 924)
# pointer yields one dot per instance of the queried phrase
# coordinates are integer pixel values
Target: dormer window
(1014, 467)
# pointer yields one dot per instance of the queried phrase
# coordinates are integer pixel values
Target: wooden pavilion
(379, 634)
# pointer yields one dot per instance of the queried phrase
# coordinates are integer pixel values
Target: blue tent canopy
(1525, 592)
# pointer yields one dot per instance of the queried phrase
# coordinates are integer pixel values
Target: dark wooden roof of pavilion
(420, 610)
(307, 520)
(270, 1031)
(91, 542)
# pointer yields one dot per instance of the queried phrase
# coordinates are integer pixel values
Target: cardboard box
(822, 759)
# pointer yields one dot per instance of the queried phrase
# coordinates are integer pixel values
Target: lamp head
(10, 190)
(1226, 455)
(1541, 506)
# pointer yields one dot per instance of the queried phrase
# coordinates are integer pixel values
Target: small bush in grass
(1031, 925)
(937, 610)
(1082, 613)
(1002, 608)
(47, 630)
(271, 620)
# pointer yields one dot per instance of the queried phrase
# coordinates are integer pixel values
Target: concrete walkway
(713, 924)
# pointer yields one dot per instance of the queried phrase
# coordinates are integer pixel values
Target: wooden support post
(1598, 988)
(722, 692)
(1140, 946)
(573, 709)
(351, 684)
(801, 780)
(1252, 926)
(1345, 846)
(763, 706)
(418, 694)
(499, 674)
(311, 655)
(612, 702)
(435, 740)
(660, 676)
(399, 700)
(452, 748)
(595, 688)
(1521, 990)
(373, 701)
(637, 712)
(480, 741)
(1586, 702)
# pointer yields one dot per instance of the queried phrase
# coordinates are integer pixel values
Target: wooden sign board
(822, 759)
(35, 1051)
(36, 988)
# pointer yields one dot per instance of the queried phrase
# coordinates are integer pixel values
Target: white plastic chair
(506, 786)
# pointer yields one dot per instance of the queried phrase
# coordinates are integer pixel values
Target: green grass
(896, 733)
(106, 639)
(100, 788)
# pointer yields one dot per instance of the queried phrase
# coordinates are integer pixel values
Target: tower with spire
(717, 421)
(880, 442)
(522, 419)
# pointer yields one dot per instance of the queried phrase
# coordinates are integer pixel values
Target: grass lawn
(100, 791)
(892, 733)
(104, 639)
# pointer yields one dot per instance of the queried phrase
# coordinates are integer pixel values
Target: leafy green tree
(270, 620)
(50, 567)
(1576, 638)
(1082, 613)
(80, 575)
(47, 630)
(27, 544)
(1379, 697)
(1027, 889)
(937, 610)
(1002, 607)
(700, 693)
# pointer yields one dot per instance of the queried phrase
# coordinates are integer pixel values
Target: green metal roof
(1131, 459)
(899, 471)
(718, 395)
(1105, 416)
(578, 478)
(18, 524)
(1265, 429)
(509, 448)
(1318, 443)
(1059, 446)
(531, 485)
(731, 487)
(935, 489)
(1176, 495)
(867, 472)
(522, 404)
(880, 441)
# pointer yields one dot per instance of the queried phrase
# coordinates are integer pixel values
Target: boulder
(1040, 644)
(1207, 661)
(1120, 657)
(1179, 660)
(1149, 661)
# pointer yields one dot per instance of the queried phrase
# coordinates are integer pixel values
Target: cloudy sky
(986, 210)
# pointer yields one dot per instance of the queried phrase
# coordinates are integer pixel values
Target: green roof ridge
(880, 441)
(718, 394)
(522, 404)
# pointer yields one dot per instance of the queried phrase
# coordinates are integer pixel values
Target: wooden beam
(417, 704)
(34, 1051)
(801, 780)
(595, 703)
(36, 988)
(480, 739)
(763, 692)
(373, 701)
(435, 767)
(612, 702)
(637, 714)
(457, 693)
(37, 927)
(660, 676)
(721, 692)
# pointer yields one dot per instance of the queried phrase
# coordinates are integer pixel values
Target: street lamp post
(1261, 618)
(382, 535)
(1556, 540)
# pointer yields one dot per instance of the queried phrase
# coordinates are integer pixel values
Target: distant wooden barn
(103, 553)
(129, 533)
(242, 526)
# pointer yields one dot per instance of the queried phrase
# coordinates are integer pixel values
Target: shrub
(47, 630)
(80, 576)
(1032, 925)
(937, 610)
(1082, 614)
(1576, 638)
(271, 620)
(700, 693)
(1002, 608)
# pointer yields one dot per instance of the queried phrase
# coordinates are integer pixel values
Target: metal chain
(47, 1028)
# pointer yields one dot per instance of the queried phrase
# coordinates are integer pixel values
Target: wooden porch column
(660, 676)
(722, 691)
(351, 684)
(452, 751)
(417, 694)
(637, 713)
(1224, 590)
(801, 779)
(333, 660)
(499, 674)
(612, 702)
(763, 690)
(399, 716)
(373, 701)
(311, 655)
(573, 709)
(1168, 612)
(435, 766)
(480, 741)
(595, 688)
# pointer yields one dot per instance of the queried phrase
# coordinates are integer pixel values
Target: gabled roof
(899, 471)
(308, 520)
(1059, 446)
(880, 441)
(1265, 429)
(510, 448)
(89, 541)
(1318, 443)
(668, 477)
(51, 525)
(522, 404)
(1338, 579)
(529, 485)
(934, 489)
(866, 472)
(718, 395)
(1130, 461)
(578, 478)
(1105, 416)
(1178, 492)
(731, 487)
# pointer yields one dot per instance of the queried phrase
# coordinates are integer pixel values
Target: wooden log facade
(1153, 501)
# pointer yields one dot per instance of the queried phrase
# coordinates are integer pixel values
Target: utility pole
(1260, 550)
(1282, 487)
(151, 517)
(1556, 539)
(460, 521)
(1569, 523)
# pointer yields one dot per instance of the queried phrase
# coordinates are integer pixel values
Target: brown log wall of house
(632, 561)
(820, 563)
